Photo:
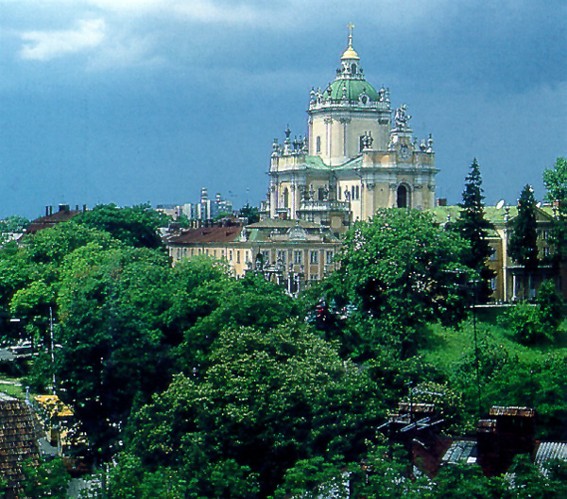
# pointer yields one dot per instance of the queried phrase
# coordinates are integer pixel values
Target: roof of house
(18, 439)
(204, 235)
(47, 221)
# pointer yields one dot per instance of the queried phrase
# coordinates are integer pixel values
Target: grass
(12, 387)
(446, 345)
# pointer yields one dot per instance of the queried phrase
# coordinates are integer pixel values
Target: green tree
(555, 181)
(400, 269)
(269, 399)
(111, 316)
(135, 226)
(474, 227)
(522, 245)
(249, 212)
(46, 479)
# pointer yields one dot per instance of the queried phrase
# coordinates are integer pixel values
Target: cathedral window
(318, 144)
(353, 68)
(286, 198)
(339, 193)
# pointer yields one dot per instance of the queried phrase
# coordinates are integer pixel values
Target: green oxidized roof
(354, 89)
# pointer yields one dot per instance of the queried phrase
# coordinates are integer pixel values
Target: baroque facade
(358, 155)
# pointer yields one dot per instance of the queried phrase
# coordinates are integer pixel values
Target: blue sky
(133, 101)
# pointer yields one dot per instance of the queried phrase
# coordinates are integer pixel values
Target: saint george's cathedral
(356, 156)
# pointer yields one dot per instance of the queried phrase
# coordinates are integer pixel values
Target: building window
(329, 257)
(238, 256)
(357, 192)
(314, 277)
(297, 257)
(266, 257)
(339, 193)
(314, 257)
(493, 283)
(321, 193)
(281, 256)
(286, 198)
(230, 255)
(360, 143)
(318, 144)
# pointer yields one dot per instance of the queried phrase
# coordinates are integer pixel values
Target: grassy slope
(446, 345)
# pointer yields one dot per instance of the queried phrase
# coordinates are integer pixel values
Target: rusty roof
(204, 235)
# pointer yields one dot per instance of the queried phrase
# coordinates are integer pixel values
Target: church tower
(359, 155)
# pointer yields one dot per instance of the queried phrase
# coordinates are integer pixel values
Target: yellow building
(355, 158)
(289, 252)
(508, 282)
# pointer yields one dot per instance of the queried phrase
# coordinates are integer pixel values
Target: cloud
(47, 45)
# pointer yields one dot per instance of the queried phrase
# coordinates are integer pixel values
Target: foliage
(465, 480)
(46, 479)
(135, 226)
(522, 245)
(555, 181)
(527, 480)
(532, 324)
(249, 212)
(269, 399)
(246, 302)
(110, 311)
(13, 224)
(399, 269)
(474, 227)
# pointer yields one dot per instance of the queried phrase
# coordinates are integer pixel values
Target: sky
(135, 101)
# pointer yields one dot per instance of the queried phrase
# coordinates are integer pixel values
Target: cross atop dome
(350, 54)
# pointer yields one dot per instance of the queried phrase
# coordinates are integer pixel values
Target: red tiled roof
(205, 235)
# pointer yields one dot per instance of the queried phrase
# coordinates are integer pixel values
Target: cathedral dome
(351, 90)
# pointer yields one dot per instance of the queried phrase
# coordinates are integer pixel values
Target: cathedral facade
(359, 155)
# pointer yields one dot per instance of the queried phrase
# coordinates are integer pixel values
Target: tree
(555, 181)
(46, 479)
(474, 228)
(400, 270)
(249, 212)
(269, 399)
(135, 226)
(111, 315)
(522, 245)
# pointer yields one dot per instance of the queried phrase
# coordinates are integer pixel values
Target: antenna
(500, 204)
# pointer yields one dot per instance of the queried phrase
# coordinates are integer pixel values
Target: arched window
(353, 68)
(403, 197)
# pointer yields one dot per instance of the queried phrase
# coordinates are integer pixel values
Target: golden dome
(349, 53)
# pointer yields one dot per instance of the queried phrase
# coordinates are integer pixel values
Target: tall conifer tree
(522, 245)
(474, 227)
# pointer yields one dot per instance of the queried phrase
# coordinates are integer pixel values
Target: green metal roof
(354, 88)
